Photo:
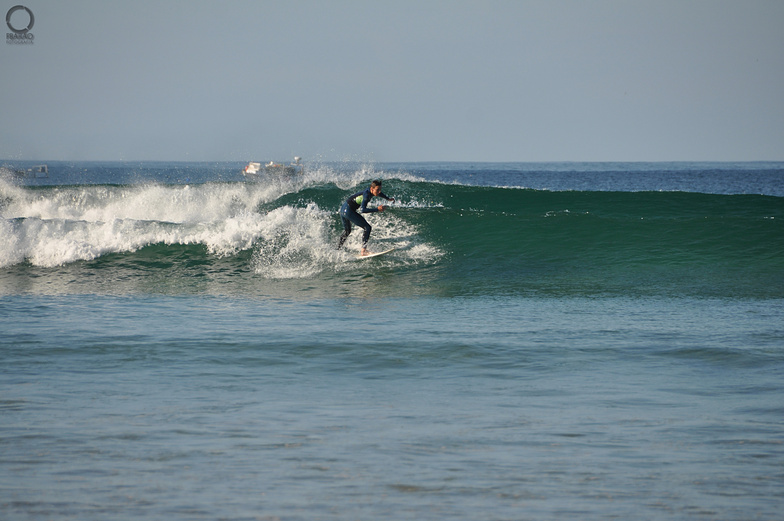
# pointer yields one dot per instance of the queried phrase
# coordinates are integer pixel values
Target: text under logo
(20, 33)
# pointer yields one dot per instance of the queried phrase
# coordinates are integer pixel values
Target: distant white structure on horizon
(256, 168)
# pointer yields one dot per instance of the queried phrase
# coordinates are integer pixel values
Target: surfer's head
(375, 187)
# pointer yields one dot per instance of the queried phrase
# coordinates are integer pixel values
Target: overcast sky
(395, 80)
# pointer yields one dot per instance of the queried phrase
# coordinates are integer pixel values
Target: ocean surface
(548, 341)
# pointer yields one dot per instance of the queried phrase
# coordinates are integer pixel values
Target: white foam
(54, 226)
(297, 243)
(60, 225)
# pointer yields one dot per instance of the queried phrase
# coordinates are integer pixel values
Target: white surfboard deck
(375, 254)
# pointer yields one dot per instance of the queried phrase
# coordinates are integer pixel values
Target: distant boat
(273, 168)
(37, 171)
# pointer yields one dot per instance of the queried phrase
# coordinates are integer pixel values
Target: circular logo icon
(12, 11)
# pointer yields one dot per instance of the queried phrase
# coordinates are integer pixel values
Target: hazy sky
(396, 80)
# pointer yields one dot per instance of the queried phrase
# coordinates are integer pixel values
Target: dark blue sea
(548, 341)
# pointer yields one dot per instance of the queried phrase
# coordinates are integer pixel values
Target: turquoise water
(547, 342)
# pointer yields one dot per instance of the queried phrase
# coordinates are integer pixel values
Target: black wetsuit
(348, 214)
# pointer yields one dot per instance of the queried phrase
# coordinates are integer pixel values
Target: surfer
(359, 201)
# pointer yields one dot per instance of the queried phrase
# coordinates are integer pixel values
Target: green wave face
(450, 239)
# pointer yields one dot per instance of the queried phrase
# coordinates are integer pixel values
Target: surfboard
(370, 255)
